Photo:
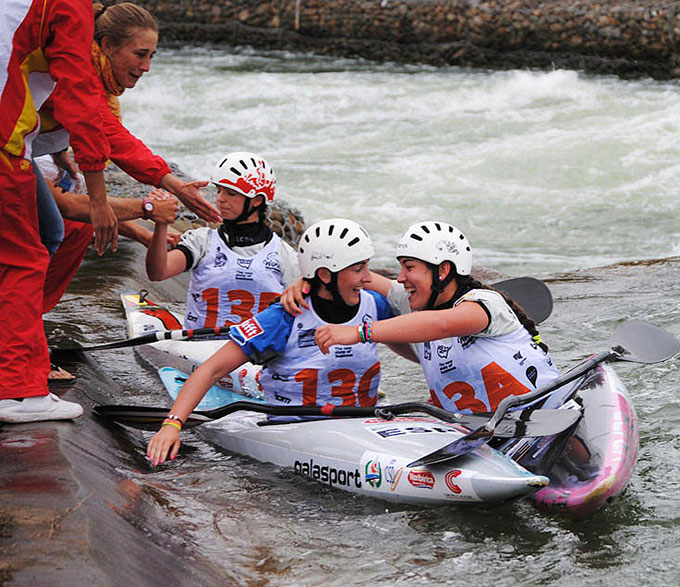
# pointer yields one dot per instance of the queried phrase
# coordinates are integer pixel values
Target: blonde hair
(121, 21)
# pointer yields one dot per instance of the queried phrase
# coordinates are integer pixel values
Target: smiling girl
(333, 255)
(475, 345)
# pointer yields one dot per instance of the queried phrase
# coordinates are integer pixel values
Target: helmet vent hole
(318, 231)
(331, 228)
(243, 164)
(353, 242)
(426, 229)
(438, 226)
(416, 237)
(461, 237)
(343, 233)
(223, 161)
(236, 171)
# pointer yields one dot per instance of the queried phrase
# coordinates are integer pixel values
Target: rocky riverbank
(606, 37)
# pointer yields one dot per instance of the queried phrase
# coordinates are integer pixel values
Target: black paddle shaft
(530, 293)
(516, 425)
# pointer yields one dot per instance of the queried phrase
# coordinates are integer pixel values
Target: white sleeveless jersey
(227, 288)
(475, 373)
(347, 376)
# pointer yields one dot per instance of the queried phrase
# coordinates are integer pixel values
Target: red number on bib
(211, 297)
(365, 399)
(266, 299)
(467, 399)
(500, 384)
(242, 303)
(344, 391)
(309, 379)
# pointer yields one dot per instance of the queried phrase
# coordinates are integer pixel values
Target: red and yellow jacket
(47, 53)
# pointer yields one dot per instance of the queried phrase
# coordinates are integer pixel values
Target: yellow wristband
(172, 423)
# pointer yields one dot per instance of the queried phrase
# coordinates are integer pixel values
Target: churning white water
(543, 171)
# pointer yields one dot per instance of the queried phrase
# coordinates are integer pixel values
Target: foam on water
(544, 171)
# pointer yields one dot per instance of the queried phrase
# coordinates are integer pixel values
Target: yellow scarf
(102, 66)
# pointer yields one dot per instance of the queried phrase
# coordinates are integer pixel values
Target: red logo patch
(450, 476)
(422, 479)
(249, 329)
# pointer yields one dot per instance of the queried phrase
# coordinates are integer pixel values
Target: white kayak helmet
(435, 242)
(247, 173)
(334, 244)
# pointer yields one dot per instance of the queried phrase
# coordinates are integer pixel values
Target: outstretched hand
(165, 206)
(330, 334)
(190, 194)
(293, 297)
(165, 441)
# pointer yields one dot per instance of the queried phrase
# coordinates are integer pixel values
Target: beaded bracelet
(364, 331)
(368, 330)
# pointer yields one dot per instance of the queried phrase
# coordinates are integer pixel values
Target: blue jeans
(49, 218)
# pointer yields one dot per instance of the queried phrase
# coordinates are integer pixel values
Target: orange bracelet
(172, 423)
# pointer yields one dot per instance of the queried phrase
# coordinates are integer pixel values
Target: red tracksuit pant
(66, 260)
(24, 358)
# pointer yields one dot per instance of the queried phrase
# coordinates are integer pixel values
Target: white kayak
(369, 456)
(144, 315)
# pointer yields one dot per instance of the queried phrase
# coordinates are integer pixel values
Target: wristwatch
(147, 208)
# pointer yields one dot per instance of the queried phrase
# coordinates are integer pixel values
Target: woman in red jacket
(48, 45)
(125, 41)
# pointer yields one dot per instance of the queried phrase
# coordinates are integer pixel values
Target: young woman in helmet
(333, 256)
(475, 345)
(239, 268)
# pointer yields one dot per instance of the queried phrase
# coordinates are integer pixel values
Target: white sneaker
(37, 409)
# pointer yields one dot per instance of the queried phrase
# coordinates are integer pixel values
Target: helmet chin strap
(332, 287)
(438, 286)
(247, 211)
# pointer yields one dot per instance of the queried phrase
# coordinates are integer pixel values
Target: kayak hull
(592, 464)
(600, 457)
(369, 456)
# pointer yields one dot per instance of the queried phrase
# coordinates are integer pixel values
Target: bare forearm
(157, 254)
(228, 358)
(131, 229)
(77, 206)
(468, 318)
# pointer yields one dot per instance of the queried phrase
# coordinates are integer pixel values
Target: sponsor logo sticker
(449, 479)
(421, 479)
(373, 473)
(249, 329)
(272, 262)
(306, 338)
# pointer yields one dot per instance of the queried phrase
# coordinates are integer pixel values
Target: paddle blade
(531, 294)
(142, 417)
(461, 446)
(641, 342)
(530, 423)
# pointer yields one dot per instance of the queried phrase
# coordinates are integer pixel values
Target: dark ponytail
(467, 283)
